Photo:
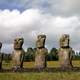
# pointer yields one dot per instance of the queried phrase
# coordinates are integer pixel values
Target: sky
(29, 18)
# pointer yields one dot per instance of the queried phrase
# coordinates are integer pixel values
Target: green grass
(40, 75)
(49, 64)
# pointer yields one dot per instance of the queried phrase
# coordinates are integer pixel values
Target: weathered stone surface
(40, 43)
(64, 41)
(1, 56)
(18, 53)
(65, 52)
(65, 57)
(41, 52)
(40, 58)
(18, 42)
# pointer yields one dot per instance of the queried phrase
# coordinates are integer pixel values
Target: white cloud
(56, 7)
(31, 22)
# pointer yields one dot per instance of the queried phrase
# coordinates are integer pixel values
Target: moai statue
(65, 52)
(18, 53)
(1, 56)
(41, 52)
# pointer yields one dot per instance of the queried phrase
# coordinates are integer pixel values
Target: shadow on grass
(23, 70)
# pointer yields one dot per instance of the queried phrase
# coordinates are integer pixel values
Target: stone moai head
(40, 43)
(0, 45)
(64, 41)
(18, 42)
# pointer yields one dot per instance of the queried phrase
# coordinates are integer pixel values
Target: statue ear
(22, 39)
(15, 40)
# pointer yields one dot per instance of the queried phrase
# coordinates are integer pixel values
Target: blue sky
(55, 7)
(11, 4)
(22, 4)
(28, 18)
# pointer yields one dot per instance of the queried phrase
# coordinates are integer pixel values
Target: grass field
(40, 75)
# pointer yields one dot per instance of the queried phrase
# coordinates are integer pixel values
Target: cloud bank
(32, 22)
(55, 7)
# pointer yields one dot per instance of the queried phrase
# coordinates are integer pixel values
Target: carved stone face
(64, 41)
(18, 42)
(0, 45)
(40, 43)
